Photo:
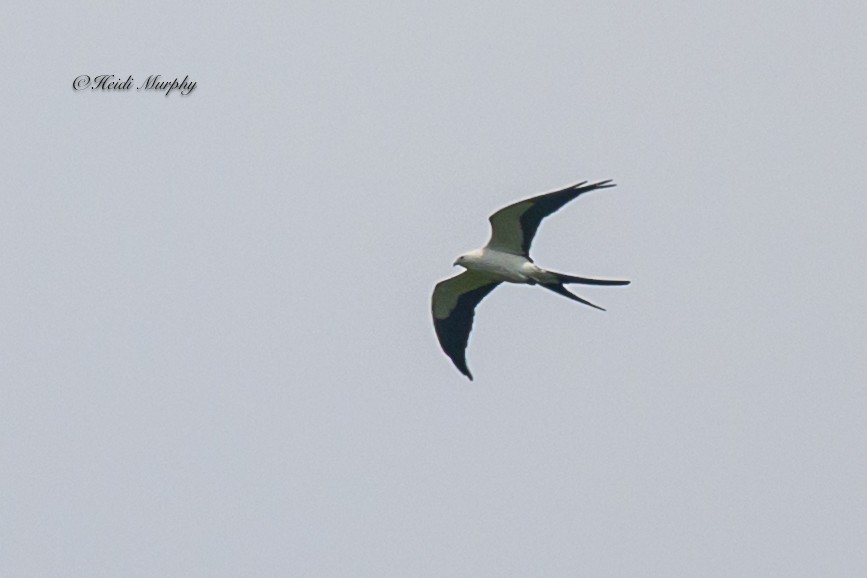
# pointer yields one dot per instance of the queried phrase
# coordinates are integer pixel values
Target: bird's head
(468, 258)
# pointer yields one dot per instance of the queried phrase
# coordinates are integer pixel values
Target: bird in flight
(506, 257)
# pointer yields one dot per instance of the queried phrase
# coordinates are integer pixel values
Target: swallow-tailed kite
(505, 258)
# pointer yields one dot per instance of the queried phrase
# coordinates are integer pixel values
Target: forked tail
(585, 281)
(557, 286)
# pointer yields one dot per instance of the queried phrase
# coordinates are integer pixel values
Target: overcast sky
(216, 351)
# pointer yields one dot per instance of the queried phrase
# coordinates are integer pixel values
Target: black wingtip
(587, 186)
(465, 370)
(606, 184)
(461, 364)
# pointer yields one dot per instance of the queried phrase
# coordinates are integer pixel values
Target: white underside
(506, 267)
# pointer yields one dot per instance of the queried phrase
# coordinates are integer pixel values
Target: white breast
(505, 266)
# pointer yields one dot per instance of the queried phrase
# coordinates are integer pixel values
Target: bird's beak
(455, 264)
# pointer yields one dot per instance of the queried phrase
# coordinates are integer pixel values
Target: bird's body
(502, 266)
(504, 259)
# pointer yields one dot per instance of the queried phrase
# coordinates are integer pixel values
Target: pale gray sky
(216, 353)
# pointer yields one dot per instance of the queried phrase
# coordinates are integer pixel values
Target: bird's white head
(467, 259)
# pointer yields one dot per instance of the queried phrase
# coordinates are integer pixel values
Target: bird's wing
(513, 227)
(453, 306)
